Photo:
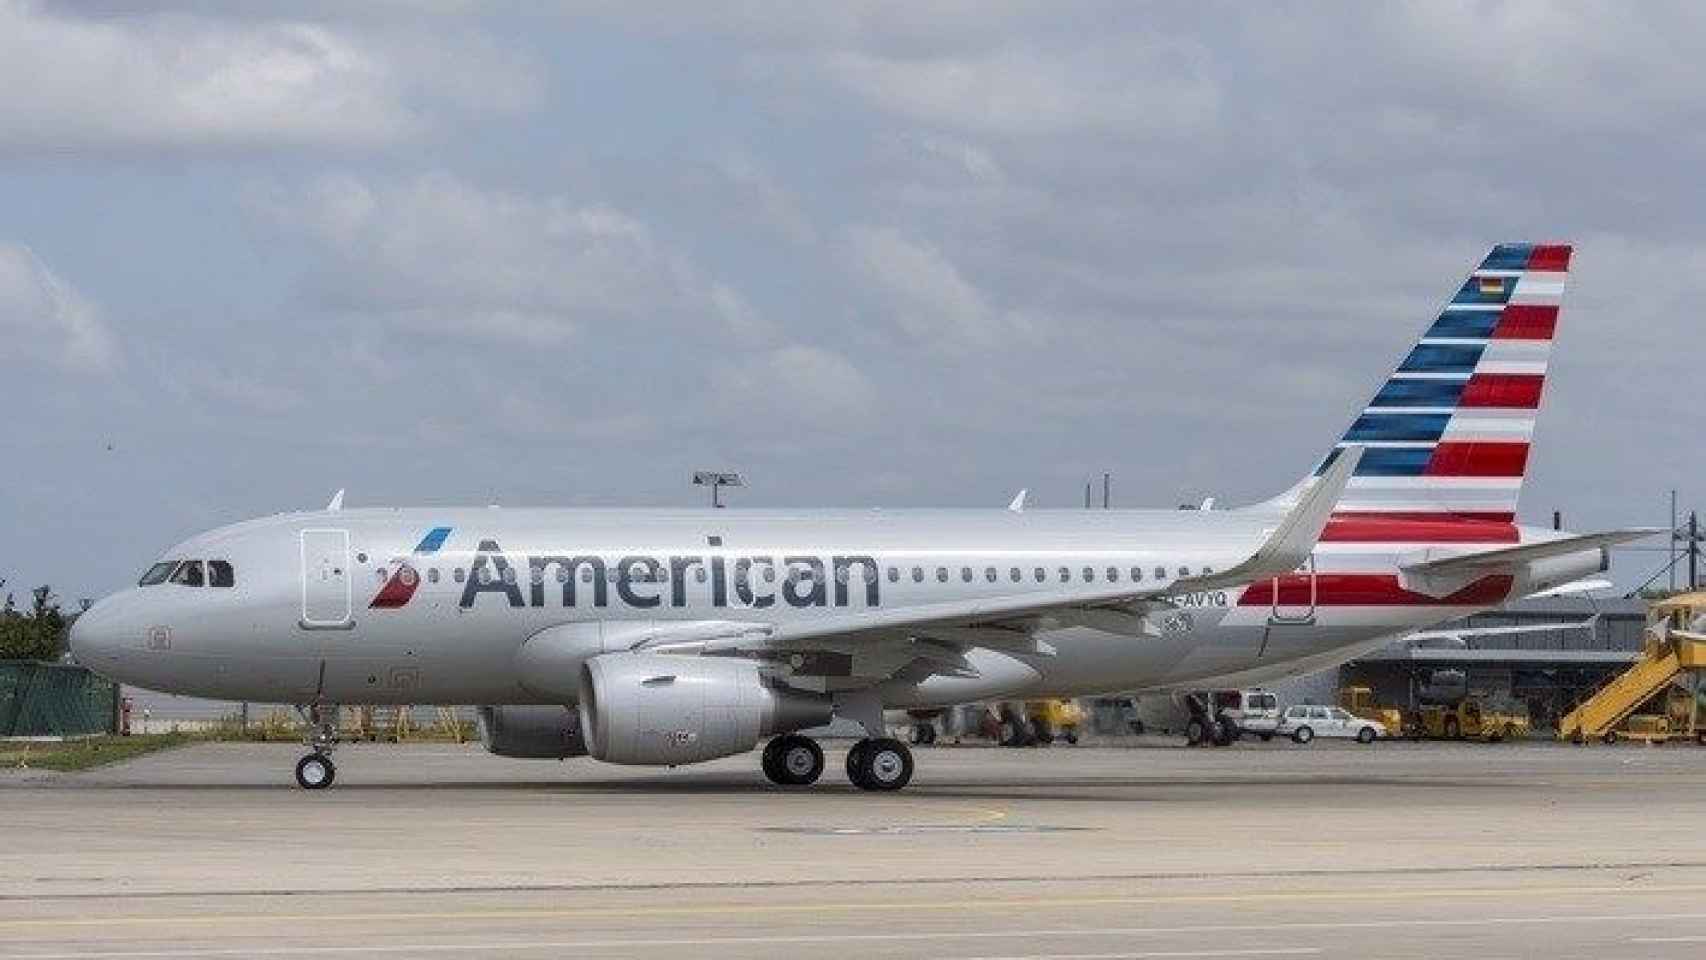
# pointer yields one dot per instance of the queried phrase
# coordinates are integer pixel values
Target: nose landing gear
(315, 771)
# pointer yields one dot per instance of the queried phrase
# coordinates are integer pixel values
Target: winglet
(1290, 544)
(337, 502)
(1018, 504)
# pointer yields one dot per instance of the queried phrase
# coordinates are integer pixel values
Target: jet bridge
(1673, 659)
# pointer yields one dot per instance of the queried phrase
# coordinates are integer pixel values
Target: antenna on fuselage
(1018, 504)
(337, 502)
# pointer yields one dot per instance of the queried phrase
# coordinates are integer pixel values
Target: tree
(38, 634)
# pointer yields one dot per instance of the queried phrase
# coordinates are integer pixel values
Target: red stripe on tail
(1478, 458)
(1555, 257)
(1519, 391)
(1416, 528)
(1369, 590)
(1526, 322)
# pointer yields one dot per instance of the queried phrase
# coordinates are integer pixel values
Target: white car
(1305, 722)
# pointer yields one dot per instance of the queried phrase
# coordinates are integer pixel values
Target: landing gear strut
(879, 763)
(793, 760)
(316, 770)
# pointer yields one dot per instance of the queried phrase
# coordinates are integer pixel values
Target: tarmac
(1065, 853)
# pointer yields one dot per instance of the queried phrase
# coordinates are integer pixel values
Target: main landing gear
(793, 760)
(878, 763)
(315, 771)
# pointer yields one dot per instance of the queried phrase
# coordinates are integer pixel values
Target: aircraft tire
(793, 761)
(315, 771)
(880, 764)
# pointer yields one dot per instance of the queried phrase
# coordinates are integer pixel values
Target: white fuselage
(362, 606)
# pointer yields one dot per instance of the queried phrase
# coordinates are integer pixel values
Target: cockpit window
(188, 574)
(220, 574)
(157, 573)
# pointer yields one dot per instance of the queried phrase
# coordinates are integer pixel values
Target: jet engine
(664, 709)
(535, 733)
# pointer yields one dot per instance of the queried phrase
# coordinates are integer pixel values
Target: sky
(866, 253)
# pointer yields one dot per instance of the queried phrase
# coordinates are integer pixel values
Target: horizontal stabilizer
(1508, 558)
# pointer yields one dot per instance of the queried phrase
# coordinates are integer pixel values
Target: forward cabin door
(1294, 595)
(325, 580)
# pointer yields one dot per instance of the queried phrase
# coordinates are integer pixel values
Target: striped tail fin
(1447, 437)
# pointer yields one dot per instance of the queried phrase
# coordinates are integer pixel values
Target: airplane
(674, 636)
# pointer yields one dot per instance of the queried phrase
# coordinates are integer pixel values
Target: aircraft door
(325, 580)
(1294, 596)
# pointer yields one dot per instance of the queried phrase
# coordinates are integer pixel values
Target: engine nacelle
(663, 709)
(535, 733)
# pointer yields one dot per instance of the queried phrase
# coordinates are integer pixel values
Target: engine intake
(535, 733)
(663, 709)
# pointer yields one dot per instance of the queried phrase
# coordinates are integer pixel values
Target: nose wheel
(879, 763)
(315, 771)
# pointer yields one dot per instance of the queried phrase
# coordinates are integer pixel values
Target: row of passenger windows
(640, 574)
(190, 573)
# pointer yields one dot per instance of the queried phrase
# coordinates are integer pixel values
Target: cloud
(1144, 87)
(43, 316)
(922, 292)
(435, 252)
(810, 382)
(179, 81)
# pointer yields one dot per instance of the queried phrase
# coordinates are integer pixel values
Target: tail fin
(1448, 434)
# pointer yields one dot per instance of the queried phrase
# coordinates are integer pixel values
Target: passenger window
(699, 574)
(942, 574)
(841, 575)
(379, 574)
(1136, 574)
(1065, 575)
(509, 575)
(220, 574)
(1160, 573)
(1089, 574)
(188, 574)
(458, 575)
(586, 574)
(989, 574)
(965, 574)
(894, 574)
(1040, 574)
(917, 574)
(157, 573)
(432, 574)
(769, 573)
(1014, 575)
(1184, 571)
(1113, 574)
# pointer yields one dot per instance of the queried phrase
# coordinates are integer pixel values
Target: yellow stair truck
(1673, 656)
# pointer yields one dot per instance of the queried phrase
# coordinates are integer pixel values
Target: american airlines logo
(643, 581)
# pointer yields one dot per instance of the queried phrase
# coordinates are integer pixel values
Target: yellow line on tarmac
(902, 906)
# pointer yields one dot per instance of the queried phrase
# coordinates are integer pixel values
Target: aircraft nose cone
(94, 636)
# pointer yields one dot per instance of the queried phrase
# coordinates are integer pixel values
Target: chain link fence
(54, 700)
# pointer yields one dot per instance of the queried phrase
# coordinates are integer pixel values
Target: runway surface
(1394, 850)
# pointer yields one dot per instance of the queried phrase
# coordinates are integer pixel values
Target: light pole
(716, 481)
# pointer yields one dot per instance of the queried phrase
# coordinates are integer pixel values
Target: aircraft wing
(867, 645)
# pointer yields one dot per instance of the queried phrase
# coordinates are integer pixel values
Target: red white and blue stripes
(1447, 436)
